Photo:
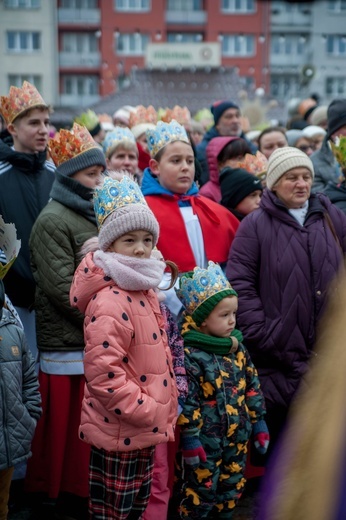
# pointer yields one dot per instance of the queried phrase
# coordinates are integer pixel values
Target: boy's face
(30, 132)
(221, 321)
(138, 244)
(123, 159)
(176, 168)
(249, 203)
(90, 177)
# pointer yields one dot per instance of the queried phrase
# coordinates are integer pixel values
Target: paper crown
(120, 134)
(163, 134)
(201, 284)
(143, 115)
(19, 100)
(89, 119)
(255, 164)
(339, 151)
(180, 114)
(115, 194)
(67, 144)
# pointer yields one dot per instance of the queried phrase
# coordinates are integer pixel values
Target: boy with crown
(193, 229)
(130, 397)
(224, 403)
(59, 466)
(26, 178)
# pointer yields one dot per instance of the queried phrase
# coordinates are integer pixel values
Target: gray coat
(20, 400)
(325, 166)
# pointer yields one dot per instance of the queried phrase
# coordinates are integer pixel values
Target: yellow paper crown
(181, 114)
(19, 100)
(143, 115)
(68, 144)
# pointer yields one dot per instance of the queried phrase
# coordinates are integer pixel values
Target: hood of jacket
(26, 162)
(213, 149)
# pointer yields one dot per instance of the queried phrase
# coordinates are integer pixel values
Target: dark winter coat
(337, 194)
(282, 272)
(25, 183)
(20, 400)
(325, 166)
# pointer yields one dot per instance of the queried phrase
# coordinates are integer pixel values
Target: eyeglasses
(305, 148)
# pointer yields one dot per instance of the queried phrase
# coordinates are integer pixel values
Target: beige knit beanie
(284, 159)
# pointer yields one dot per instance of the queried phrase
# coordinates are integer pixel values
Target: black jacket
(337, 194)
(25, 184)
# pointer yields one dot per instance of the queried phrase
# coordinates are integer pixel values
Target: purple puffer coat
(282, 272)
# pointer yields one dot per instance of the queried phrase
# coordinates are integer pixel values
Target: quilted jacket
(20, 400)
(282, 272)
(130, 400)
(55, 242)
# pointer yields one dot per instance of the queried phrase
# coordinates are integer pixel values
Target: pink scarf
(130, 273)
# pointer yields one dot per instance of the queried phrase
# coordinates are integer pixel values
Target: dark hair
(269, 130)
(234, 149)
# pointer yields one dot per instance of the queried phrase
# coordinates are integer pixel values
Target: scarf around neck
(129, 273)
(211, 344)
(73, 195)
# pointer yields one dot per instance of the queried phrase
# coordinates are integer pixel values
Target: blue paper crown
(120, 134)
(115, 194)
(163, 134)
(200, 285)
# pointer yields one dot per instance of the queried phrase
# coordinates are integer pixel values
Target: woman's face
(123, 159)
(271, 141)
(294, 187)
(304, 144)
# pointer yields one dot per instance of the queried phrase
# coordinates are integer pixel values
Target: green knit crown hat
(201, 290)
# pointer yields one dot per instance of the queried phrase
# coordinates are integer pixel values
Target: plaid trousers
(119, 483)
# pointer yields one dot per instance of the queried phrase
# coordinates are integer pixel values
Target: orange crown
(19, 100)
(68, 144)
(143, 115)
(181, 114)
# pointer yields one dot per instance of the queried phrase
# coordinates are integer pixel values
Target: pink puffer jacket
(130, 400)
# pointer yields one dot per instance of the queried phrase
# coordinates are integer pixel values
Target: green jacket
(55, 242)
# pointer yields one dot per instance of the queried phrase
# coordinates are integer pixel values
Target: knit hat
(293, 136)
(219, 107)
(285, 159)
(75, 150)
(319, 115)
(312, 131)
(121, 208)
(201, 290)
(336, 116)
(236, 184)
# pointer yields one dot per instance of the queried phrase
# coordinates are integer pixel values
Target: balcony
(288, 60)
(77, 100)
(183, 17)
(79, 16)
(90, 60)
(293, 19)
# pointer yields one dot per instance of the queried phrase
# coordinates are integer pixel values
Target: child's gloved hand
(193, 451)
(261, 437)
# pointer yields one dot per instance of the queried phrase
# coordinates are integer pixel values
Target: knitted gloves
(192, 450)
(261, 436)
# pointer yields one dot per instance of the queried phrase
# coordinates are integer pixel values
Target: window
(238, 45)
(23, 41)
(79, 4)
(184, 37)
(17, 80)
(336, 86)
(184, 5)
(131, 44)
(132, 5)
(283, 86)
(337, 6)
(238, 6)
(79, 42)
(289, 44)
(22, 4)
(80, 85)
(336, 45)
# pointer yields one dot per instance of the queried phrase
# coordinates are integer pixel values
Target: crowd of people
(173, 276)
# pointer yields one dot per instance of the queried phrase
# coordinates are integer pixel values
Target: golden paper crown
(143, 115)
(181, 114)
(68, 144)
(19, 100)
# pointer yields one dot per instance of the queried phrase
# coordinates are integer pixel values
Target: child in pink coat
(130, 400)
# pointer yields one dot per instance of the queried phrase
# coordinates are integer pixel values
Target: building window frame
(335, 86)
(238, 6)
(131, 44)
(17, 80)
(79, 43)
(336, 6)
(79, 4)
(238, 45)
(23, 41)
(184, 5)
(129, 6)
(336, 45)
(80, 84)
(184, 37)
(284, 45)
(22, 4)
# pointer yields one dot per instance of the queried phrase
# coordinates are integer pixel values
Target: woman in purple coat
(282, 261)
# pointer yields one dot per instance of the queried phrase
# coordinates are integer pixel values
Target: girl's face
(90, 177)
(249, 203)
(123, 159)
(138, 244)
(175, 169)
